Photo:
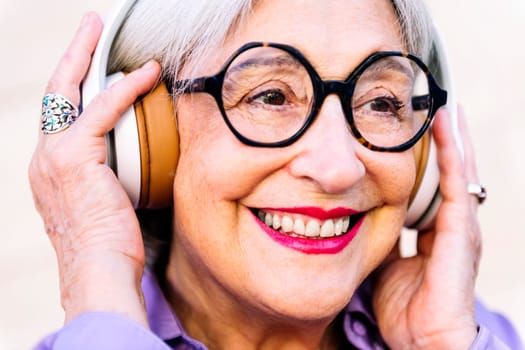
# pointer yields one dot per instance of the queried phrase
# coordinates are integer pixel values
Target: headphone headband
(96, 78)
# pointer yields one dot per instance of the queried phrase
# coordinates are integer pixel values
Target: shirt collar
(359, 322)
(162, 320)
(361, 302)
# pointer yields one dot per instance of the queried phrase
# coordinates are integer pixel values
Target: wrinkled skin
(92, 225)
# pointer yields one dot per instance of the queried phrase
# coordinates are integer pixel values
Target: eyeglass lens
(268, 96)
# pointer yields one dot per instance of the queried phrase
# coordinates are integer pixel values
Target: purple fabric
(499, 326)
(103, 330)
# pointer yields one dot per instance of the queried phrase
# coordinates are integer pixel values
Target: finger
(75, 62)
(101, 115)
(471, 172)
(469, 161)
(452, 181)
(471, 175)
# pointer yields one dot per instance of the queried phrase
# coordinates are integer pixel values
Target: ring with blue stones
(58, 113)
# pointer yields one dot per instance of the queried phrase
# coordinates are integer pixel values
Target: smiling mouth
(307, 227)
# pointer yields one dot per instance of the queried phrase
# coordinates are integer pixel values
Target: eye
(270, 97)
(385, 104)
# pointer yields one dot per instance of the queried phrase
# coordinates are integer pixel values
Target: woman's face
(221, 247)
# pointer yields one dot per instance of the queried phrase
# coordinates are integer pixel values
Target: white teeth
(276, 222)
(338, 229)
(327, 230)
(312, 228)
(346, 224)
(268, 219)
(298, 227)
(287, 224)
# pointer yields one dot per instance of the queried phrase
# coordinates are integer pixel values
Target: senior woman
(284, 228)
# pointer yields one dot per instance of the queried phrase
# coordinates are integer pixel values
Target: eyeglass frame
(344, 89)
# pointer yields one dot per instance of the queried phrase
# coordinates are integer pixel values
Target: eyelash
(395, 102)
(266, 92)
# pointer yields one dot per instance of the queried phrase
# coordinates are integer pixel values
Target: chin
(306, 308)
(310, 296)
(291, 284)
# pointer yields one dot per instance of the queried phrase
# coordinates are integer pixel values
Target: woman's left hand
(427, 301)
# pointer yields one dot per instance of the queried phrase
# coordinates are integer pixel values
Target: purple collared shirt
(105, 330)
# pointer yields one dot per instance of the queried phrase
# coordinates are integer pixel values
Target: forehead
(334, 35)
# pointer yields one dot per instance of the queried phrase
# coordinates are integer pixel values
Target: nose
(327, 154)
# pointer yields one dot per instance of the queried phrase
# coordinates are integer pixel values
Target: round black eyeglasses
(269, 94)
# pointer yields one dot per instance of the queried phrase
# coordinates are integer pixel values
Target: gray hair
(179, 33)
(176, 33)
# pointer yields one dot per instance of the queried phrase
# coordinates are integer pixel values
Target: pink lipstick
(314, 245)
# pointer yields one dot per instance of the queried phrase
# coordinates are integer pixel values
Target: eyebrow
(277, 61)
(389, 64)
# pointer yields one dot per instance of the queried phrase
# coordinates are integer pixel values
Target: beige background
(487, 51)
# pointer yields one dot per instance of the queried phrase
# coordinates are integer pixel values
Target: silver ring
(478, 191)
(58, 113)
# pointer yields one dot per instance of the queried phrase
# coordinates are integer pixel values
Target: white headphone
(146, 176)
(424, 205)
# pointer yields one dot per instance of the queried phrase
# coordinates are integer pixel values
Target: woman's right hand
(87, 214)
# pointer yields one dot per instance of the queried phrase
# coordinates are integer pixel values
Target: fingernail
(85, 19)
(150, 65)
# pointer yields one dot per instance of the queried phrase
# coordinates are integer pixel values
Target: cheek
(383, 231)
(204, 145)
(394, 177)
(200, 184)
(214, 172)
(212, 160)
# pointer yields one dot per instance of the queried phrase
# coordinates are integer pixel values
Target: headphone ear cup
(143, 148)
(159, 148)
(425, 196)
